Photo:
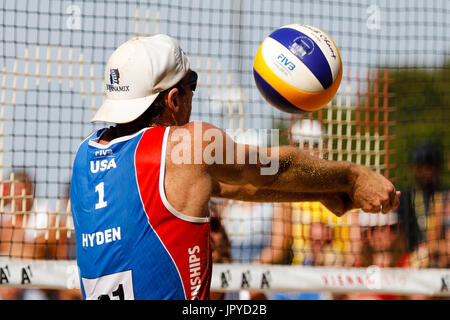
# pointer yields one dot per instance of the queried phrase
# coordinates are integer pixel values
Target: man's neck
(118, 131)
(126, 129)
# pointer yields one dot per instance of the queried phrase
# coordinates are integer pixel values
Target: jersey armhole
(162, 191)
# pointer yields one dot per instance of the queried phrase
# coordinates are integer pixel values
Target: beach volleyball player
(140, 188)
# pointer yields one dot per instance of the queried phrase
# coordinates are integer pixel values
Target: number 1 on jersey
(100, 188)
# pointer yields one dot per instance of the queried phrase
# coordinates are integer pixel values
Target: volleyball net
(390, 113)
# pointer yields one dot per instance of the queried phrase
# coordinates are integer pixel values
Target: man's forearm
(254, 194)
(301, 172)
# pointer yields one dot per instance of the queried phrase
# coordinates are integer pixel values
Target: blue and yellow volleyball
(298, 68)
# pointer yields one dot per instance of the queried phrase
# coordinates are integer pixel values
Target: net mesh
(390, 113)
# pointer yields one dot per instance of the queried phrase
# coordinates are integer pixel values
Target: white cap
(377, 219)
(307, 130)
(136, 73)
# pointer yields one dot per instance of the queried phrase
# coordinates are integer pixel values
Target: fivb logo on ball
(301, 47)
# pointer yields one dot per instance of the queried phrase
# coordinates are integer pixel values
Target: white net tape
(63, 274)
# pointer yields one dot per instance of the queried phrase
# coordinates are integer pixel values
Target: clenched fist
(372, 192)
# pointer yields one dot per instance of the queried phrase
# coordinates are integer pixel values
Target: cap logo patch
(114, 76)
(114, 79)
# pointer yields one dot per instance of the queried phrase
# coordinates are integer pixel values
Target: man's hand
(372, 192)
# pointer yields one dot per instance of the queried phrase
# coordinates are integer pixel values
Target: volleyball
(297, 68)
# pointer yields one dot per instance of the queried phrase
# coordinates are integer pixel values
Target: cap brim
(123, 111)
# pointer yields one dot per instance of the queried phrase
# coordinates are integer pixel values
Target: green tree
(422, 101)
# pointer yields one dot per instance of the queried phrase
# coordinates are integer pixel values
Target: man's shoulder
(197, 130)
(192, 125)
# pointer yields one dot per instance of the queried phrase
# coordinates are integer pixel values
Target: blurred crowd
(416, 235)
(29, 231)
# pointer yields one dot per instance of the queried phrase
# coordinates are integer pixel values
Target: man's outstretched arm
(299, 172)
(338, 203)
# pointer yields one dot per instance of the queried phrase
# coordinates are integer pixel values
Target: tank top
(131, 243)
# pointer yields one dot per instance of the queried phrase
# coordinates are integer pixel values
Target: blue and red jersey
(131, 243)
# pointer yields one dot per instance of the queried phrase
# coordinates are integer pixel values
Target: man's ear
(172, 99)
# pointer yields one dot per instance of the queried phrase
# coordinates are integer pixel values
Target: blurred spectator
(424, 209)
(15, 207)
(220, 244)
(58, 242)
(16, 236)
(220, 249)
(312, 244)
(29, 231)
(353, 253)
(313, 236)
(59, 237)
(321, 238)
(247, 226)
(384, 245)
